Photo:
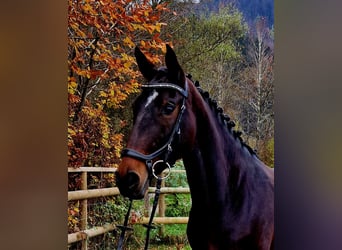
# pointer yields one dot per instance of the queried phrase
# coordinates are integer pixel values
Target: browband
(183, 92)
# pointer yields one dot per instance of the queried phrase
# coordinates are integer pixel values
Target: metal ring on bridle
(167, 165)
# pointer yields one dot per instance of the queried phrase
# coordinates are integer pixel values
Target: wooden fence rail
(88, 233)
(103, 192)
(95, 231)
(85, 194)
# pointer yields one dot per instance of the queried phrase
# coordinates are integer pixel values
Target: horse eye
(169, 108)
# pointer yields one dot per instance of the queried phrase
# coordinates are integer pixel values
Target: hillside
(250, 9)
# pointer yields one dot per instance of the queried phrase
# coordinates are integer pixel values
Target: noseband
(166, 149)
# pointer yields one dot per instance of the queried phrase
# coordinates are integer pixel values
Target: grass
(174, 237)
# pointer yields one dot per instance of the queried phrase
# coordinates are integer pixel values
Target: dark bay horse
(232, 191)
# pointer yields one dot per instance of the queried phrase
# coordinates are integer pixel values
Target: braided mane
(224, 119)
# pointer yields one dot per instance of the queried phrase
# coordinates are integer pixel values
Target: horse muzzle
(131, 183)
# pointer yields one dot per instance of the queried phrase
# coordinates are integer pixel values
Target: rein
(166, 149)
(149, 226)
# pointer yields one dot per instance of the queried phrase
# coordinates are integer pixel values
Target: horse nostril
(132, 180)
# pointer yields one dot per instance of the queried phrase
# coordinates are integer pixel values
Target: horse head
(158, 120)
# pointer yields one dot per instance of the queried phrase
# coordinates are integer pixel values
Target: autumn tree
(102, 73)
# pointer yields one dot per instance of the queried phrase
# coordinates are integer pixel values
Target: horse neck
(217, 161)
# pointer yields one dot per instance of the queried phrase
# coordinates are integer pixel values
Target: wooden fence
(84, 194)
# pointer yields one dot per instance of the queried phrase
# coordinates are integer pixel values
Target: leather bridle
(166, 149)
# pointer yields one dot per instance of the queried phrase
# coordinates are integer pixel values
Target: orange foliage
(103, 73)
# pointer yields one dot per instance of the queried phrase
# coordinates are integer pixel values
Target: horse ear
(146, 67)
(176, 72)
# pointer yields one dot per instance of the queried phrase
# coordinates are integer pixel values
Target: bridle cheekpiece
(166, 149)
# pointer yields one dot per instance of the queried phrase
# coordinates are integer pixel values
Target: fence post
(162, 207)
(84, 209)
